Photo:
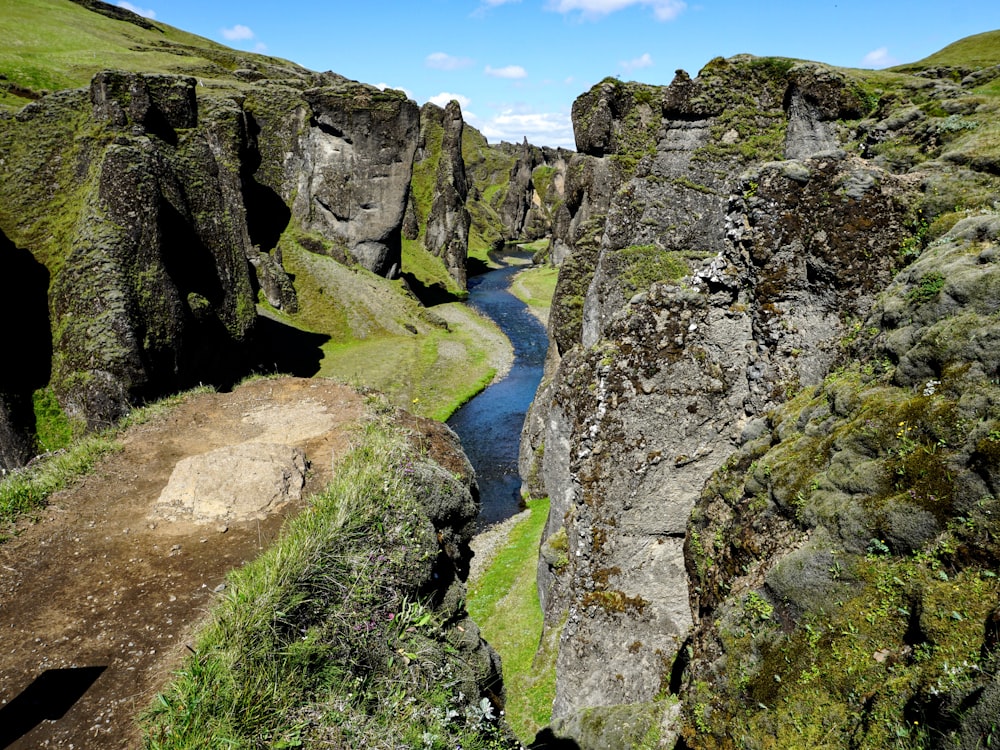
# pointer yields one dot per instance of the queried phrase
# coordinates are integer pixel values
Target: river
(490, 424)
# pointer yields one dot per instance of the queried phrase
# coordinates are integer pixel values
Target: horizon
(558, 49)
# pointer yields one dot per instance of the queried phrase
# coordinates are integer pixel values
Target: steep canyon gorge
(770, 415)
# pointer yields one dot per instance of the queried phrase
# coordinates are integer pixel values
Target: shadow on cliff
(280, 348)
(429, 294)
(29, 346)
(547, 740)
(30, 340)
(267, 214)
(436, 294)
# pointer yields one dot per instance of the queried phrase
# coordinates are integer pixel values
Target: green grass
(430, 375)
(321, 642)
(53, 430)
(978, 51)
(641, 265)
(427, 268)
(384, 340)
(26, 491)
(536, 245)
(61, 45)
(536, 287)
(504, 602)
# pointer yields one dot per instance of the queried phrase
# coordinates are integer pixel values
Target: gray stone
(235, 483)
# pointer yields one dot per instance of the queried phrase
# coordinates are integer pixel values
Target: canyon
(768, 422)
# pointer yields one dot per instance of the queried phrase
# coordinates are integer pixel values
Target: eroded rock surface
(164, 207)
(724, 244)
(235, 483)
(447, 233)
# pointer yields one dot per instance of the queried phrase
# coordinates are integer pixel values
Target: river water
(490, 424)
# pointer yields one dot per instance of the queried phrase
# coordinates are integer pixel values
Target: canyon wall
(728, 238)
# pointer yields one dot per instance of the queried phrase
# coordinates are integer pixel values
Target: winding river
(490, 424)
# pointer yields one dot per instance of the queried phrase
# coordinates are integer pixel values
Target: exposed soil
(99, 599)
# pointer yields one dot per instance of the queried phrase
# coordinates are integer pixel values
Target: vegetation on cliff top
(43, 62)
(846, 561)
(972, 52)
(331, 637)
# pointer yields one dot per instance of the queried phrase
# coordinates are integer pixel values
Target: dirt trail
(99, 598)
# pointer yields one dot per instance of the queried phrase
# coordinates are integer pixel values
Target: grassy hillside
(978, 51)
(331, 638)
(51, 45)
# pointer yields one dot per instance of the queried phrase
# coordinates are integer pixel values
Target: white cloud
(260, 47)
(444, 61)
(238, 32)
(486, 5)
(540, 128)
(509, 71)
(643, 61)
(663, 10)
(444, 97)
(144, 12)
(879, 58)
(384, 86)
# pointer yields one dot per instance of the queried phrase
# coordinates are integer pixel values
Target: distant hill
(974, 52)
(94, 36)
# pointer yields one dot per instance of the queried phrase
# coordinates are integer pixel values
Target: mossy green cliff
(765, 427)
(197, 214)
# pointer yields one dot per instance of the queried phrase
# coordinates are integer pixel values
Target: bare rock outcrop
(170, 206)
(447, 233)
(235, 483)
(351, 168)
(709, 278)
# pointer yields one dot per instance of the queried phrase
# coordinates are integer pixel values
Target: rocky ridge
(728, 234)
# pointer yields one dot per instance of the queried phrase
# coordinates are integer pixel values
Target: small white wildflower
(930, 386)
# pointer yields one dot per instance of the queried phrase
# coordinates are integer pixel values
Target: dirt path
(98, 599)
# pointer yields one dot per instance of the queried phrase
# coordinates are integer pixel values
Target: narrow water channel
(490, 424)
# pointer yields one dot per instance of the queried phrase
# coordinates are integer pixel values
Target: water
(490, 424)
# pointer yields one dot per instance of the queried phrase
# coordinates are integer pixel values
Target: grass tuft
(504, 602)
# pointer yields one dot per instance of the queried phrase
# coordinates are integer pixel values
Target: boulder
(235, 483)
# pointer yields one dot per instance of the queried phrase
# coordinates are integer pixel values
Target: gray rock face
(447, 234)
(16, 429)
(698, 267)
(234, 483)
(156, 291)
(174, 206)
(517, 203)
(158, 104)
(351, 167)
(817, 97)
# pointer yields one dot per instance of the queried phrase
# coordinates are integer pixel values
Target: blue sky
(517, 65)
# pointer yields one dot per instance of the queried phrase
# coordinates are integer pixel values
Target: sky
(516, 66)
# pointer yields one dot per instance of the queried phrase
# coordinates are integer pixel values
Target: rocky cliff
(730, 238)
(153, 210)
(141, 216)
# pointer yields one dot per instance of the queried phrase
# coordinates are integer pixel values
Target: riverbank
(503, 600)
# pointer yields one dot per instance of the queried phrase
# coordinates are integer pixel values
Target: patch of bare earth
(99, 599)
